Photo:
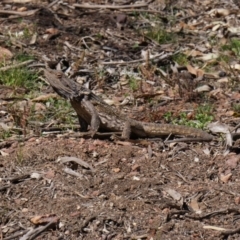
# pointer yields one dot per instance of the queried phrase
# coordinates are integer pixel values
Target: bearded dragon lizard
(94, 112)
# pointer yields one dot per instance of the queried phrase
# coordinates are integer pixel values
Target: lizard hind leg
(126, 132)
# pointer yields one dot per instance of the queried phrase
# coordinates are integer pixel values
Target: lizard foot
(115, 136)
(93, 133)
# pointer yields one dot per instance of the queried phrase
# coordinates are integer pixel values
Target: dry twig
(22, 14)
(94, 6)
(16, 65)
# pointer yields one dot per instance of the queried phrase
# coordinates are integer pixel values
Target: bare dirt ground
(142, 189)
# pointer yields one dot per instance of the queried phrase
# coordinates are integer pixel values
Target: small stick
(161, 57)
(16, 65)
(22, 14)
(94, 6)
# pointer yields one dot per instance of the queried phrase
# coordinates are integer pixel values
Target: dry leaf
(174, 194)
(207, 151)
(52, 31)
(218, 127)
(221, 12)
(33, 39)
(192, 70)
(232, 161)
(136, 167)
(73, 173)
(204, 88)
(116, 170)
(216, 27)
(49, 174)
(76, 160)
(236, 66)
(237, 200)
(223, 80)
(110, 102)
(230, 113)
(4, 154)
(22, 9)
(225, 178)
(45, 97)
(193, 53)
(43, 219)
(39, 107)
(209, 56)
(36, 176)
(5, 54)
(195, 206)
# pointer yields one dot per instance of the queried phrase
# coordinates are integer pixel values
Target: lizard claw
(114, 137)
(92, 133)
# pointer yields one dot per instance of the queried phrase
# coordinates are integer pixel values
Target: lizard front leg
(95, 120)
(87, 115)
(83, 124)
